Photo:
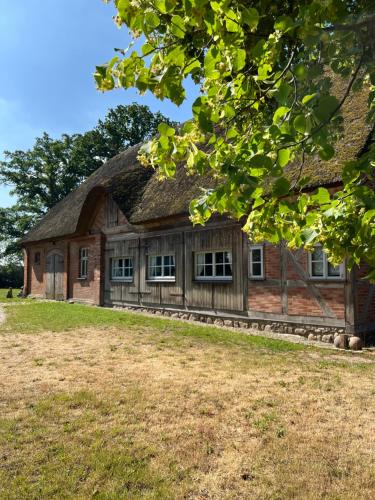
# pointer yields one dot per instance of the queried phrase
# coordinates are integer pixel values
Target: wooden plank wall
(121, 291)
(184, 291)
(226, 295)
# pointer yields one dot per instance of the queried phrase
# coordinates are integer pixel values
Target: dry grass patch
(142, 410)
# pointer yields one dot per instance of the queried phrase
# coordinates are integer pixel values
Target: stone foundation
(311, 332)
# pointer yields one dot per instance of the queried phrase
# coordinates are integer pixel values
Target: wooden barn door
(55, 276)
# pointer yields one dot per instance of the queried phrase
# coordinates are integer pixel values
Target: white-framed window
(213, 265)
(321, 268)
(161, 268)
(83, 262)
(256, 262)
(122, 268)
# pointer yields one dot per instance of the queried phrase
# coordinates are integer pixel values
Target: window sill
(213, 280)
(325, 280)
(256, 278)
(82, 278)
(121, 280)
(161, 280)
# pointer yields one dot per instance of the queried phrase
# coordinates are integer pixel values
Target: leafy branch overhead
(267, 72)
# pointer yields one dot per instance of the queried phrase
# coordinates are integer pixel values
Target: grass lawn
(106, 404)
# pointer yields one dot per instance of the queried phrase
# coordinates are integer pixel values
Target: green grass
(3, 293)
(105, 460)
(38, 316)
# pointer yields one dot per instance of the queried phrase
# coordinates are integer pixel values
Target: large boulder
(355, 343)
(341, 341)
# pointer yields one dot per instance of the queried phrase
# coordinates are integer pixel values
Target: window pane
(158, 260)
(200, 270)
(152, 260)
(208, 258)
(219, 269)
(256, 255)
(257, 269)
(333, 270)
(228, 257)
(219, 257)
(317, 268)
(173, 271)
(166, 260)
(167, 271)
(228, 270)
(317, 254)
(200, 258)
(208, 270)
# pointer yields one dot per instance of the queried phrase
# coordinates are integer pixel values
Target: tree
(265, 72)
(46, 173)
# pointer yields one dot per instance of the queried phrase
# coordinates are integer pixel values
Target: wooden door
(55, 276)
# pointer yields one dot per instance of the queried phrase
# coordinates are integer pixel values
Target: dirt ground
(198, 419)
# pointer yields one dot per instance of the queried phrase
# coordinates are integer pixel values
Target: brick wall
(263, 298)
(266, 295)
(86, 289)
(365, 296)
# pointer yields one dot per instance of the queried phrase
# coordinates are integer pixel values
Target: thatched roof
(143, 198)
(356, 134)
(122, 175)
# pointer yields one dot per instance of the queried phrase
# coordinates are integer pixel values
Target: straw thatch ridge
(123, 173)
(143, 198)
(355, 137)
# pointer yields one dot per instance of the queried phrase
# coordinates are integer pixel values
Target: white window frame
(214, 277)
(123, 268)
(325, 275)
(251, 275)
(83, 263)
(168, 278)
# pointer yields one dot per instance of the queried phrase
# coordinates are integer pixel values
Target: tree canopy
(266, 70)
(46, 173)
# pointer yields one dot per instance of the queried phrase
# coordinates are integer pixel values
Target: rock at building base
(311, 337)
(355, 344)
(341, 341)
(327, 338)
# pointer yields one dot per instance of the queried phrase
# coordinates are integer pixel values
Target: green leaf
(283, 157)
(250, 16)
(165, 6)
(281, 187)
(231, 21)
(283, 93)
(309, 97)
(165, 129)
(177, 26)
(152, 20)
(322, 196)
(280, 113)
(239, 60)
(326, 152)
(261, 161)
(299, 124)
(212, 57)
(326, 107)
(284, 23)
(308, 235)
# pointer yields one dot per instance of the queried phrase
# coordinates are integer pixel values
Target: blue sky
(48, 53)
